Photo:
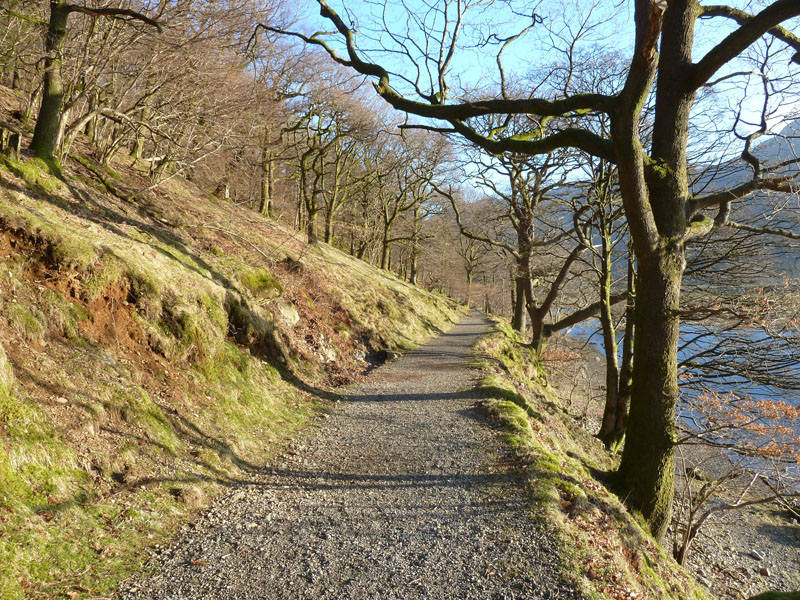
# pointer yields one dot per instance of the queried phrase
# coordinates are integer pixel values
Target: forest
(616, 179)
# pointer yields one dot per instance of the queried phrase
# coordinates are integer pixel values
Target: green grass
(605, 551)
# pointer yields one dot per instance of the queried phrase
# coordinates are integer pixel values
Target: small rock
(703, 581)
(756, 554)
(192, 496)
(764, 571)
(288, 311)
(62, 400)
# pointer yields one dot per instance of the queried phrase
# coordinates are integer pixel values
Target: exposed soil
(402, 492)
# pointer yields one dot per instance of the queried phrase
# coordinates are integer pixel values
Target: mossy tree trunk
(648, 459)
(655, 203)
(518, 299)
(45, 135)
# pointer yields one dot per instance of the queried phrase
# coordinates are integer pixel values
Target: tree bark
(385, 249)
(615, 415)
(608, 428)
(45, 135)
(648, 461)
(518, 322)
(267, 184)
(413, 265)
(626, 371)
(328, 226)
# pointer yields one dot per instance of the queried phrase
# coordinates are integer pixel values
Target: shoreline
(737, 553)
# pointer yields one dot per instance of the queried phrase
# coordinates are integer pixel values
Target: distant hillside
(744, 260)
(154, 349)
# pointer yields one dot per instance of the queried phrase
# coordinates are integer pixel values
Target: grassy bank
(154, 351)
(607, 553)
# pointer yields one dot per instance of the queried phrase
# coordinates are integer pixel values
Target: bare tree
(662, 214)
(46, 134)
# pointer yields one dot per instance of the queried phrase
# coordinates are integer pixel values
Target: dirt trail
(400, 493)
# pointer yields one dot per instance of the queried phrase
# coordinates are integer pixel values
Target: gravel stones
(391, 497)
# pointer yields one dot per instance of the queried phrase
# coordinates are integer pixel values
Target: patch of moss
(260, 283)
(36, 172)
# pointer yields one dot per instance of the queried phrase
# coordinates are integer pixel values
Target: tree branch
(114, 13)
(571, 137)
(765, 230)
(578, 103)
(751, 28)
(741, 17)
(786, 184)
(582, 314)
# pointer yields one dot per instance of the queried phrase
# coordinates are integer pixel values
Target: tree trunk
(385, 250)
(536, 316)
(15, 80)
(45, 135)
(412, 278)
(626, 370)
(265, 202)
(648, 461)
(647, 468)
(518, 321)
(311, 229)
(608, 433)
(329, 226)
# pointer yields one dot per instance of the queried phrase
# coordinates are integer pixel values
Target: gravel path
(401, 493)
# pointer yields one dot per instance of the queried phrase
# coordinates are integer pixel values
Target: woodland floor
(403, 491)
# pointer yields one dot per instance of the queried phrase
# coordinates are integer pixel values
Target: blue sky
(605, 27)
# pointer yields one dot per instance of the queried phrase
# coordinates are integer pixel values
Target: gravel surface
(402, 492)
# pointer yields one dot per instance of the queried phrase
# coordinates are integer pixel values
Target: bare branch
(114, 13)
(751, 28)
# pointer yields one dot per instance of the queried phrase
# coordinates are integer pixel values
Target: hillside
(154, 350)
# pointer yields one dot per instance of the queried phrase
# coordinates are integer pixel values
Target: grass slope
(154, 351)
(607, 552)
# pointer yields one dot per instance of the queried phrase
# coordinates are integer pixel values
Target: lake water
(742, 377)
